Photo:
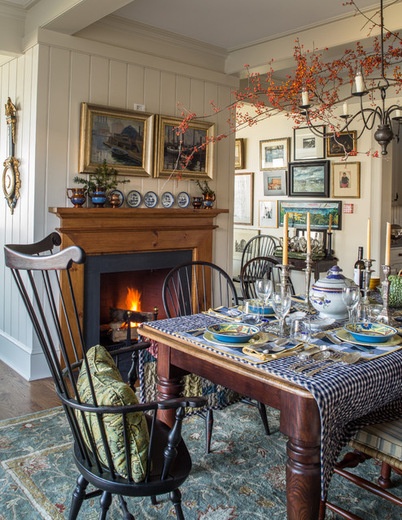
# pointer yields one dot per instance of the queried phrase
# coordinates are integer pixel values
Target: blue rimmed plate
(370, 332)
(167, 199)
(183, 199)
(233, 332)
(257, 340)
(151, 199)
(134, 199)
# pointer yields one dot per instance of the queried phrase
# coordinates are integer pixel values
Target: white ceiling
(229, 24)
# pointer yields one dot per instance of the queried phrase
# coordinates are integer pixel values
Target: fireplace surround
(134, 235)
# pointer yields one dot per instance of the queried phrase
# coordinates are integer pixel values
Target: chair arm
(182, 402)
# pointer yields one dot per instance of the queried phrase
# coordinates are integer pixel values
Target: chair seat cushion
(384, 439)
(111, 390)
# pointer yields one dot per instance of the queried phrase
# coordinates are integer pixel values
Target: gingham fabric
(348, 396)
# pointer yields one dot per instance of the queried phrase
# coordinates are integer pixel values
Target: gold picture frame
(186, 154)
(239, 154)
(123, 137)
(346, 180)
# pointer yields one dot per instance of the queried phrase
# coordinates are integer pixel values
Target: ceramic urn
(326, 294)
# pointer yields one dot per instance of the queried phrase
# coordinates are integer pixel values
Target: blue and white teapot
(326, 294)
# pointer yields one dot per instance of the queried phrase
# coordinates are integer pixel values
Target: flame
(133, 299)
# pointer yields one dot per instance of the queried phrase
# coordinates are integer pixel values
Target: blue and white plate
(167, 199)
(151, 199)
(233, 332)
(368, 332)
(183, 199)
(134, 199)
(259, 339)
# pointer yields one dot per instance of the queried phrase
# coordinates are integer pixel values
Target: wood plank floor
(20, 397)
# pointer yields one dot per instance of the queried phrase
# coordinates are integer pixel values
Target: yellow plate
(345, 336)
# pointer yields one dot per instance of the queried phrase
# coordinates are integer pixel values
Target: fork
(345, 358)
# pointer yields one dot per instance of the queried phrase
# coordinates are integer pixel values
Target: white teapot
(326, 294)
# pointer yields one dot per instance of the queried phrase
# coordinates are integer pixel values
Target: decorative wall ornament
(11, 176)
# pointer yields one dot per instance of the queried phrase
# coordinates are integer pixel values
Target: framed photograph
(186, 154)
(274, 182)
(309, 179)
(341, 143)
(123, 137)
(319, 213)
(274, 153)
(267, 214)
(239, 154)
(243, 198)
(346, 180)
(240, 239)
(308, 145)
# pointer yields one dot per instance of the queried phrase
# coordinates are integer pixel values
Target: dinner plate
(318, 322)
(259, 339)
(370, 332)
(233, 332)
(269, 311)
(345, 336)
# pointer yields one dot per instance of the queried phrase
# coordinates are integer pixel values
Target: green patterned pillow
(111, 390)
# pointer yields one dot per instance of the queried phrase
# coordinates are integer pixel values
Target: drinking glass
(300, 330)
(351, 297)
(281, 301)
(263, 288)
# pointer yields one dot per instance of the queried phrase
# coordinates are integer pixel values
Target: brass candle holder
(385, 316)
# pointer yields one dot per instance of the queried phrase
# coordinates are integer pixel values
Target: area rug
(242, 478)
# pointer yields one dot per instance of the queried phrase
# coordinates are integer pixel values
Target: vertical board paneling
(99, 86)
(168, 93)
(118, 84)
(153, 93)
(197, 100)
(135, 86)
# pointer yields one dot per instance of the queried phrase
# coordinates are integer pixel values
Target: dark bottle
(358, 273)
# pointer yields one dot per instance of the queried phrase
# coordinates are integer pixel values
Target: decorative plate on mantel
(134, 199)
(151, 199)
(183, 199)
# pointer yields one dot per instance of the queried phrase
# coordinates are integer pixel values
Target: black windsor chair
(120, 446)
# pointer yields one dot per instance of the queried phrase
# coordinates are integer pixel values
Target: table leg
(169, 384)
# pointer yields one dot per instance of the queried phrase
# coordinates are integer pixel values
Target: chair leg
(175, 497)
(123, 506)
(384, 480)
(263, 413)
(209, 422)
(105, 502)
(78, 497)
(153, 500)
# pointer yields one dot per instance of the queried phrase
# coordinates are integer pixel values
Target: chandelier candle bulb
(388, 245)
(345, 109)
(398, 113)
(305, 100)
(359, 83)
(285, 240)
(368, 250)
(308, 234)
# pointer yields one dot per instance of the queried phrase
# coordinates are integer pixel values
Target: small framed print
(274, 182)
(341, 143)
(274, 153)
(268, 215)
(243, 199)
(308, 145)
(240, 239)
(346, 180)
(239, 154)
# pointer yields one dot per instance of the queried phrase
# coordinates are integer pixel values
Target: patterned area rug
(243, 477)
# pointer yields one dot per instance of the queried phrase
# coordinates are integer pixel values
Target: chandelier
(315, 92)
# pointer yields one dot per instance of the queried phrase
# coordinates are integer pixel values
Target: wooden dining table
(300, 418)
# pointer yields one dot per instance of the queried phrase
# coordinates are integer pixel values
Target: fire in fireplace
(107, 280)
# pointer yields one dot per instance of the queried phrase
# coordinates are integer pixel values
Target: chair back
(260, 267)
(113, 437)
(260, 245)
(195, 287)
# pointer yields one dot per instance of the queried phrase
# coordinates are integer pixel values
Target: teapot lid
(334, 279)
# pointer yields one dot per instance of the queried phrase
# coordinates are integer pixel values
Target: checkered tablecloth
(348, 396)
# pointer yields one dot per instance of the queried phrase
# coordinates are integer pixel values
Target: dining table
(322, 404)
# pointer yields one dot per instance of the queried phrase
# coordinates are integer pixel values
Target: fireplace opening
(108, 278)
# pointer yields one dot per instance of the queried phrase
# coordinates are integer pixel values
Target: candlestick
(285, 240)
(308, 234)
(368, 250)
(330, 224)
(388, 245)
(345, 109)
(307, 282)
(329, 245)
(367, 275)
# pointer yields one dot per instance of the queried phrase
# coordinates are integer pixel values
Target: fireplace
(107, 278)
(118, 241)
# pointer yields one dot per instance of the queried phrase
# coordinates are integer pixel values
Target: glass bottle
(358, 273)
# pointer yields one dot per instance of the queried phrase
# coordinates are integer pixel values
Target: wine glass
(263, 289)
(351, 297)
(281, 301)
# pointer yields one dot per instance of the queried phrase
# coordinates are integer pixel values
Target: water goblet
(263, 289)
(281, 301)
(300, 330)
(351, 297)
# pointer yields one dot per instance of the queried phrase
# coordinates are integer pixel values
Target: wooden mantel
(127, 230)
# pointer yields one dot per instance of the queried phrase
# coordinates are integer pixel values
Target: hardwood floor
(20, 397)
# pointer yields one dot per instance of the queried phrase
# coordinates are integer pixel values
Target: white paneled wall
(48, 85)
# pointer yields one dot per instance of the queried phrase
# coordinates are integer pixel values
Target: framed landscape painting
(320, 212)
(274, 153)
(124, 138)
(274, 182)
(309, 179)
(308, 145)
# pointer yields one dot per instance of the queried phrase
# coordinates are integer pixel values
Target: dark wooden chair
(120, 446)
(260, 245)
(260, 267)
(195, 287)
(382, 442)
